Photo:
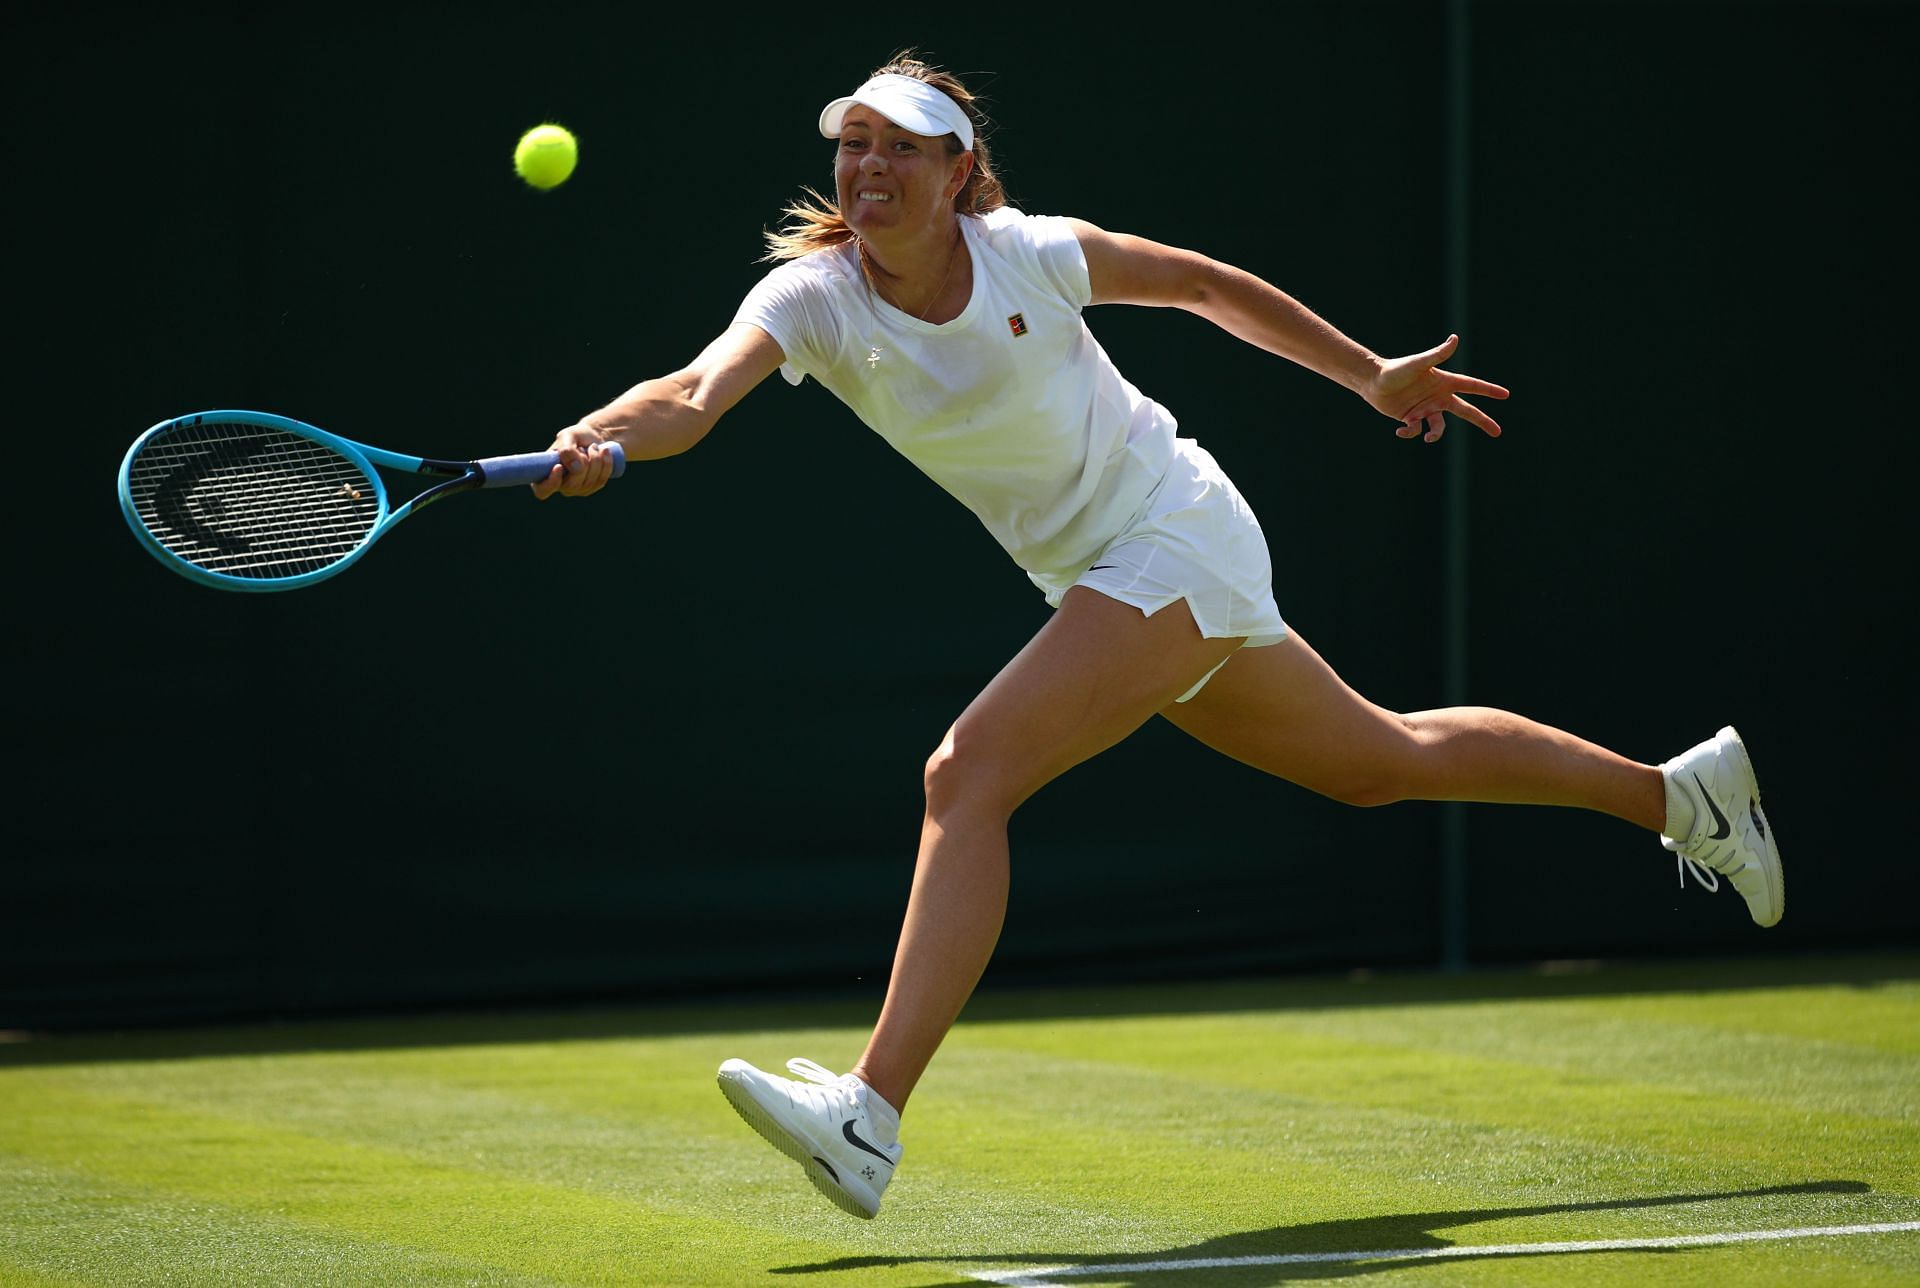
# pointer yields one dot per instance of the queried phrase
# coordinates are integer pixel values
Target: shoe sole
(793, 1147)
(1770, 866)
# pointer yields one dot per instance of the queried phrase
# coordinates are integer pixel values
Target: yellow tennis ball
(546, 155)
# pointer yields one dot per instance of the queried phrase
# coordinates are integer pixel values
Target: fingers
(1472, 385)
(1474, 416)
(586, 472)
(1435, 394)
(579, 473)
(1430, 423)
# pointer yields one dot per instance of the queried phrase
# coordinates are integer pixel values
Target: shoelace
(812, 1072)
(825, 1077)
(1709, 879)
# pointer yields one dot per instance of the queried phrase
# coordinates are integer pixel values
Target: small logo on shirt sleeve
(1019, 324)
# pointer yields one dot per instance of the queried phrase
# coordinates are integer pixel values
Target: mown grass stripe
(61, 1226)
(499, 1223)
(1490, 1091)
(1161, 1162)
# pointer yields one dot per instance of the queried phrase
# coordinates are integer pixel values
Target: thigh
(1282, 709)
(1097, 671)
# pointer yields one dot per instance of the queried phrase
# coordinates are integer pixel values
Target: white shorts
(1195, 539)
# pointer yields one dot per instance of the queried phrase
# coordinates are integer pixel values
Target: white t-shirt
(1012, 407)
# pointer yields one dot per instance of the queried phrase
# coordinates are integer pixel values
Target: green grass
(1254, 1119)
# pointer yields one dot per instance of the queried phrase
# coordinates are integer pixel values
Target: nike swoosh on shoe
(846, 1129)
(1725, 829)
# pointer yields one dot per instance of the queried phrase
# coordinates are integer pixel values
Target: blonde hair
(815, 222)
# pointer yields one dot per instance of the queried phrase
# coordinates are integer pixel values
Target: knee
(1365, 790)
(959, 776)
(947, 775)
(1392, 774)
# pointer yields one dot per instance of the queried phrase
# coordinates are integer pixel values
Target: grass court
(1612, 1124)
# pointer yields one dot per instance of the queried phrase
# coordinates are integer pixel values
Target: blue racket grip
(507, 471)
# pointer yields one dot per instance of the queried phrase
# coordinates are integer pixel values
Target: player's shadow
(1396, 1233)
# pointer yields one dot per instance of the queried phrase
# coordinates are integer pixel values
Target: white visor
(910, 104)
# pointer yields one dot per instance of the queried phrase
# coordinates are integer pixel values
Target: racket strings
(252, 500)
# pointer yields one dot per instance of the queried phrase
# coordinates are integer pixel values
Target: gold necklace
(873, 318)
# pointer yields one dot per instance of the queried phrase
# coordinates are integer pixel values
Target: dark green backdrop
(670, 741)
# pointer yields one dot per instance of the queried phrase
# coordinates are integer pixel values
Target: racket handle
(531, 467)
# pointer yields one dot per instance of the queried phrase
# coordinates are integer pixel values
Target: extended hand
(1414, 391)
(584, 466)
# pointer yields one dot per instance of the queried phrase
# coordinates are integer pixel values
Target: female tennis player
(951, 324)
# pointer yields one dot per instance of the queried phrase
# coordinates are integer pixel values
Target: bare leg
(1094, 674)
(1282, 709)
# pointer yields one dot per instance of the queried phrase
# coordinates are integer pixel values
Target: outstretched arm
(1412, 390)
(664, 416)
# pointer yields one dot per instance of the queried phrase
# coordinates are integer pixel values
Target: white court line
(1042, 1276)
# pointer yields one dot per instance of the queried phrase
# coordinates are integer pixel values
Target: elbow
(681, 434)
(1202, 286)
(680, 416)
(692, 430)
(1212, 284)
(693, 420)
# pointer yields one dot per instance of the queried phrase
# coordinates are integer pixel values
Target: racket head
(250, 501)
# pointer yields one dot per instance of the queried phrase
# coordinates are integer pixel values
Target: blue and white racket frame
(457, 476)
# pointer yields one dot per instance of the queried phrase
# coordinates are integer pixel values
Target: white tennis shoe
(1730, 835)
(843, 1135)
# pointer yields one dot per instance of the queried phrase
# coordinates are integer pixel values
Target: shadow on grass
(1399, 1233)
(785, 1011)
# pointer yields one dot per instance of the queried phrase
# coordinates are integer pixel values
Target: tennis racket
(244, 500)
